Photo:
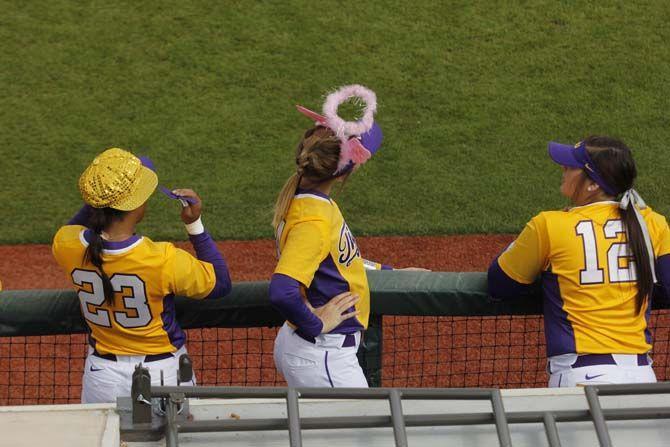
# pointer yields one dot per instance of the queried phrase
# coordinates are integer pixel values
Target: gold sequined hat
(117, 179)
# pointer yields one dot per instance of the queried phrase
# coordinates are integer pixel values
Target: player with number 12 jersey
(589, 297)
(598, 262)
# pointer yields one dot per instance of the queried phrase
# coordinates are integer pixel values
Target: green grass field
(469, 94)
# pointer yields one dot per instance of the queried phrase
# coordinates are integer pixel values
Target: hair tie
(629, 197)
(632, 198)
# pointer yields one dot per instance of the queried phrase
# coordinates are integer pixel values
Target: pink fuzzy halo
(349, 132)
(345, 129)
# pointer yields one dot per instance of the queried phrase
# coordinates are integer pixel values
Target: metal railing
(163, 410)
(593, 393)
(174, 397)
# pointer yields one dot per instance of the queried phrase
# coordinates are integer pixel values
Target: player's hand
(414, 269)
(191, 212)
(331, 314)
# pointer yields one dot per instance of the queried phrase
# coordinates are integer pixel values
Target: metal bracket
(152, 431)
(185, 369)
(140, 393)
(144, 417)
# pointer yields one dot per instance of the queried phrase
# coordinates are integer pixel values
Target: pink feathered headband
(359, 139)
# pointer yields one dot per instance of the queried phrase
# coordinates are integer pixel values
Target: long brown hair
(98, 221)
(316, 159)
(615, 163)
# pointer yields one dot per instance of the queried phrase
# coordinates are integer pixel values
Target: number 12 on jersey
(593, 273)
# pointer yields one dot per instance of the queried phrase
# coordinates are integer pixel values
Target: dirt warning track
(33, 267)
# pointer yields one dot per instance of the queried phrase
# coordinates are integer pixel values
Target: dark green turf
(468, 97)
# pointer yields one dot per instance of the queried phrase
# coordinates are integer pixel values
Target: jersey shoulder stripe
(311, 196)
(310, 207)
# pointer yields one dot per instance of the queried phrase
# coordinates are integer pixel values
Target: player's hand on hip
(191, 212)
(331, 314)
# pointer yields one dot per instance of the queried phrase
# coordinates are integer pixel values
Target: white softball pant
(324, 363)
(105, 380)
(598, 369)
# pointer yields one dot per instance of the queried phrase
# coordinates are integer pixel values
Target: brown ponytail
(99, 220)
(615, 163)
(316, 160)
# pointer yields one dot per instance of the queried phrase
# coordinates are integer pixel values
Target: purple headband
(148, 163)
(578, 157)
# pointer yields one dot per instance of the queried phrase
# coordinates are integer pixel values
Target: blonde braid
(316, 159)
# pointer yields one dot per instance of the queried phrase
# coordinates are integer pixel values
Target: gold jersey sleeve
(659, 233)
(527, 256)
(187, 275)
(305, 246)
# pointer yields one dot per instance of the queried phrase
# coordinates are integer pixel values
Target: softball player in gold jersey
(320, 284)
(126, 282)
(598, 262)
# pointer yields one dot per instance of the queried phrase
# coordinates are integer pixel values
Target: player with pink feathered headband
(320, 285)
(359, 139)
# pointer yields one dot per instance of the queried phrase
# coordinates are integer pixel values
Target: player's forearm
(372, 265)
(82, 216)
(207, 251)
(501, 286)
(663, 274)
(286, 298)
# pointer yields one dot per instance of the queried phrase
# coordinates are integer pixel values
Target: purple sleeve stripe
(502, 287)
(285, 297)
(386, 267)
(82, 216)
(663, 275)
(206, 250)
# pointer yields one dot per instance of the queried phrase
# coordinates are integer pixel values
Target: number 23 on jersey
(135, 312)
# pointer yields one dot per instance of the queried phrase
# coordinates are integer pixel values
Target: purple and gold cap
(578, 157)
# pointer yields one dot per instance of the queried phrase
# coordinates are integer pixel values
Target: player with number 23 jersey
(148, 275)
(127, 283)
